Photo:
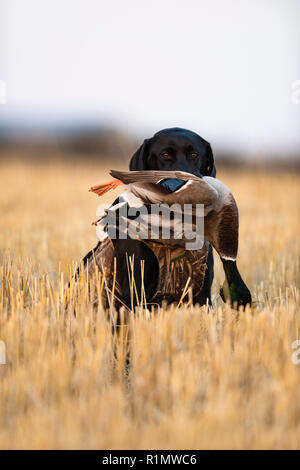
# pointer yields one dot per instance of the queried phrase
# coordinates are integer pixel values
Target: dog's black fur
(181, 150)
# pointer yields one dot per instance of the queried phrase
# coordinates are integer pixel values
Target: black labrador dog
(181, 150)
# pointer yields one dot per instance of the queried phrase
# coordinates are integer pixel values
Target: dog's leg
(137, 251)
(205, 295)
(234, 288)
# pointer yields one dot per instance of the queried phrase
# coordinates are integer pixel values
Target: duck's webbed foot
(234, 288)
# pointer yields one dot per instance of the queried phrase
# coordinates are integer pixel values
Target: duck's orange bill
(101, 189)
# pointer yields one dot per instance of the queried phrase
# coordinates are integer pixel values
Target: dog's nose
(188, 169)
(183, 165)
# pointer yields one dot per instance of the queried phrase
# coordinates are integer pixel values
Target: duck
(177, 187)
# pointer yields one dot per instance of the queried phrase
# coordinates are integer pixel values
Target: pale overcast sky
(223, 68)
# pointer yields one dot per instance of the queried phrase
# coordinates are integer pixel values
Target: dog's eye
(165, 155)
(194, 154)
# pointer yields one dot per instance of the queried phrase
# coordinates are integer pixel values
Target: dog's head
(175, 149)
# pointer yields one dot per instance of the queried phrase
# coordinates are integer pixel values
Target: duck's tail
(101, 189)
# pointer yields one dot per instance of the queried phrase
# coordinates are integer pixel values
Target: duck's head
(170, 185)
(175, 149)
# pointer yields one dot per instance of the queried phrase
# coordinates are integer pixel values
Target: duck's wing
(149, 193)
(151, 176)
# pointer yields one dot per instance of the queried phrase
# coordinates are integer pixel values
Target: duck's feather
(151, 176)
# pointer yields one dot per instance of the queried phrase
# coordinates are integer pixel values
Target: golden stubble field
(200, 379)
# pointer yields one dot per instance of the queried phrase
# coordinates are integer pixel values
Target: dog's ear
(209, 168)
(138, 160)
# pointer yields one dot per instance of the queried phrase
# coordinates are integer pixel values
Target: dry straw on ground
(199, 378)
